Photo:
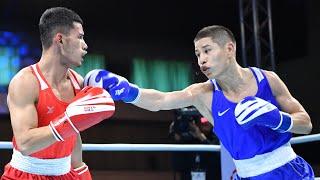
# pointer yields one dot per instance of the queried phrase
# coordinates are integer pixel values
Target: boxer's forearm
(154, 100)
(34, 140)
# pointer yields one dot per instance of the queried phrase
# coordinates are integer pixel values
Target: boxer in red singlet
(47, 107)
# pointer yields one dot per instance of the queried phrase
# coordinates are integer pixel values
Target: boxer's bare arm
(155, 100)
(198, 95)
(300, 118)
(22, 95)
(76, 157)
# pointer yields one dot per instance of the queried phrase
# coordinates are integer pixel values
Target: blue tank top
(241, 143)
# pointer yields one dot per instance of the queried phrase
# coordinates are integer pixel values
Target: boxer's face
(73, 48)
(213, 59)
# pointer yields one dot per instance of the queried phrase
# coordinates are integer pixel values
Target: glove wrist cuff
(62, 127)
(285, 124)
(133, 95)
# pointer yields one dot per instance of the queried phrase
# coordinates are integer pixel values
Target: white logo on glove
(89, 108)
(119, 92)
(249, 110)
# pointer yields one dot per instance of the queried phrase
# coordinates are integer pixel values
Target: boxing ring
(165, 147)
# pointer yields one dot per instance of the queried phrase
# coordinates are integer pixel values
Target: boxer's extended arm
(300, 118)
(150, 99)
(198, 95)
(22, 95)
(154, 100)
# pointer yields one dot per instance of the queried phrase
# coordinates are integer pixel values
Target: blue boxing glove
(118, 87)
(255, 111)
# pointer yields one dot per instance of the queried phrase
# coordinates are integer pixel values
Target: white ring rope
(305, 139)
(149, 147)
(164, 147)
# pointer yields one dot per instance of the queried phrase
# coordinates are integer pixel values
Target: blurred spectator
(194, 131)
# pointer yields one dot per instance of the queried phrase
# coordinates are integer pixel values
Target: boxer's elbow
(27, 145)
(308, 127)
(308, 124)
(25, 151)
(23, 147)
(305, 129)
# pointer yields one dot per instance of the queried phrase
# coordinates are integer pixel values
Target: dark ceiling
(159, 23)
(129, 19)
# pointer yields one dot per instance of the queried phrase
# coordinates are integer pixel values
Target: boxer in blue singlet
(251, 110)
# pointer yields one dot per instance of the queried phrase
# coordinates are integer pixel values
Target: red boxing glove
(89, 107)
(83, 172)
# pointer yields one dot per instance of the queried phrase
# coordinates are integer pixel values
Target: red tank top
(48, 108)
